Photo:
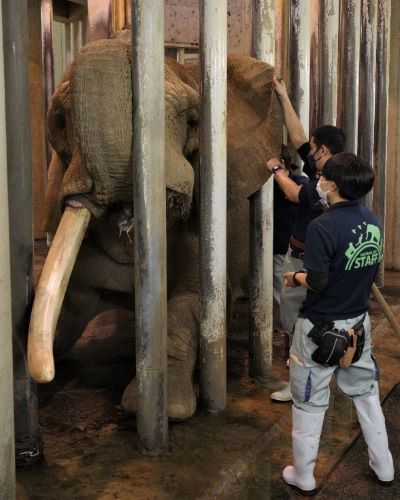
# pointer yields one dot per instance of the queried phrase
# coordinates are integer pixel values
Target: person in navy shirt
(324, 142)
(343, 249)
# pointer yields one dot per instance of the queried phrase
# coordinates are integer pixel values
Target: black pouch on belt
(332, 343)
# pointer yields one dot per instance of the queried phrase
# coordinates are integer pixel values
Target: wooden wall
(392, 239)
(37, 110)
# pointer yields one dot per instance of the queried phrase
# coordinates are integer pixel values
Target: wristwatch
(275, 168)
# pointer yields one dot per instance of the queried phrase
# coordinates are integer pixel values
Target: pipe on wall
(213, 199)
(149, 195)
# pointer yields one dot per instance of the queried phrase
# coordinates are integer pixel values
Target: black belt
(297, 255)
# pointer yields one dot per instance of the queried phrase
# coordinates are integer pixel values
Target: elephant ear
(255, 124)
(59, 119)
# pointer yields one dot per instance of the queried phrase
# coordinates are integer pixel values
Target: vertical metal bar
(300, 51)
(381, 117)
(349, 55)
(213, 178)
(99, 19)
(118, 15)
(315, 66)
(366, 116)
(262, 223)
(150, 228)
(7, 450)
(20, 195)
(329, 47)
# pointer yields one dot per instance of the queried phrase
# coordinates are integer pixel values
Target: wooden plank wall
(392, 239)
(37, 110)
(182, 22)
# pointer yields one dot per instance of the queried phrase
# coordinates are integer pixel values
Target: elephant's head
(90, 130)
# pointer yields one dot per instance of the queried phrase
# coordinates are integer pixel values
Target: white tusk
(49, 294)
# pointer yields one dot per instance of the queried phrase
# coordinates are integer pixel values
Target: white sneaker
(282, 395)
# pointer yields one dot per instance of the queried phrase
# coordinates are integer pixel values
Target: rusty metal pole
(213, 179)
(299, 60)
(262, 223)
(7, 449)
(366, 116)
(349, 62)
(329, 48)
(99, 19)
(149, 194)
(381, 118)
(15, 44)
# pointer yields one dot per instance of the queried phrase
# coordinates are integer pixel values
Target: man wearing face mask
(325, 141)
(343, 249)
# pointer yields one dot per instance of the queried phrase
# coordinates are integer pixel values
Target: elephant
(90, 131)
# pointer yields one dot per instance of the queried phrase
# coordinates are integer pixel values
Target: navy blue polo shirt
(285, 215)
(346, 242)
(309, 200)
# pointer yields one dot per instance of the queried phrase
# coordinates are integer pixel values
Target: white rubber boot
(283, 395)
(372, 421)
(306, 431)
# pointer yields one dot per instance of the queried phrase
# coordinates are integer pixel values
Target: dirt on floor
(90, 445)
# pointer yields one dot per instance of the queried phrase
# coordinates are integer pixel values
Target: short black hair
(353, 176)
(330, 136)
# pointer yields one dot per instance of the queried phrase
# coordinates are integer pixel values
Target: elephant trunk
(51, 290)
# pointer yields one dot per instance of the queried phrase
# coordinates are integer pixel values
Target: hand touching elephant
(91, 132)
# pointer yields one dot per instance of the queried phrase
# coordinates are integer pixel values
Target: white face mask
(323, 194)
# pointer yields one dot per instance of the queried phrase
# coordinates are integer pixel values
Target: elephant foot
(181, 399)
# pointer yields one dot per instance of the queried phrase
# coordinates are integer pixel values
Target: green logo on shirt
(367, 251)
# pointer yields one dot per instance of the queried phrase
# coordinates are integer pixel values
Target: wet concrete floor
(90, 446)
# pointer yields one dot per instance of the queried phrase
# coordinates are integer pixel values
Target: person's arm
(315, 281)
(293, 125)
(288, 186)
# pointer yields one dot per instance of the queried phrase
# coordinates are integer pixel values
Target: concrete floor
(90, 446)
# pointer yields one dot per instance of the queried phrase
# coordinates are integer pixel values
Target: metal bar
(118, 15)
(349, 55)
(381, 118)
(262, 223)
(150, 229)
(213, 178)
(329, 49)
(366, 116)
(99, 19)
(300, 52)
(7, 449)
(315, 65)
(20, 195)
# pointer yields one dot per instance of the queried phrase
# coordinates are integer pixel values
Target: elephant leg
(183, 324)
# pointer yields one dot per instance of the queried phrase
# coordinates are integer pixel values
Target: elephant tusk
(49, 294)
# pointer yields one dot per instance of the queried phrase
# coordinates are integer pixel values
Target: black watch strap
(275, 168)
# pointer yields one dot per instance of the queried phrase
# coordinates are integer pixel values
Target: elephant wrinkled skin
(91, 132)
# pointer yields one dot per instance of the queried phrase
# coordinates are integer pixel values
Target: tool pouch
(332, 343)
